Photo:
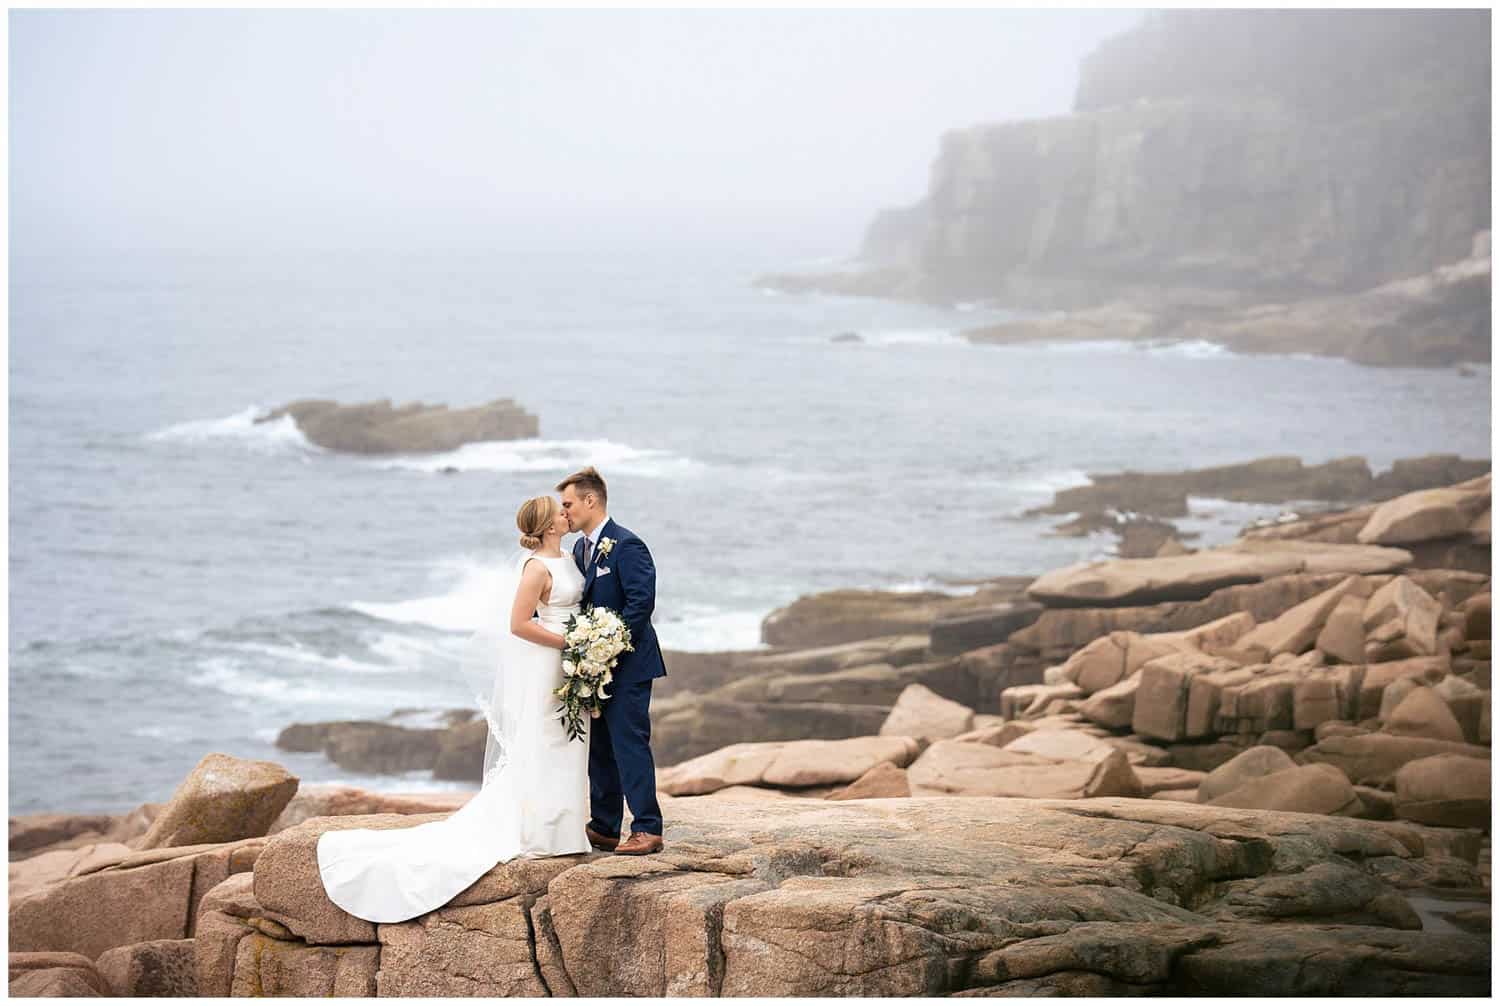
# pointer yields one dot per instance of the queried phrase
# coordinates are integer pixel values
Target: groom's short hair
(587, 480)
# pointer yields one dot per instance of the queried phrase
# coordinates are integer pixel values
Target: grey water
(184, 580)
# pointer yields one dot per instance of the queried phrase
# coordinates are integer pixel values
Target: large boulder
(1373, 759)
(53, 865)
(1401, 620)
(785, 764)
(220, 923)
(1305, 789)
(1467, 702)
(1424, 515)
(1161, 701)
(1423, 713)
(378, 428)
(1224, 615)
(1477, 616)
(223, 799)
(1326, 694)
(922, 713)
(1378, 677)
(1295, 630)
(867, 684)
(1034, 701)
(884, 781)
(30, 833)
(416, 956)
(155, 968)
(1116, 656)
(972, 629)
(151, 894)
(1254, 763)
(686, 726)
(1452, 791)
(842, 616)
(964, 768)
(372, 747)
(1342, 637)
(1181, 782)
(896, 651)
(1061, 744)
(54, 974)
(1113, 707)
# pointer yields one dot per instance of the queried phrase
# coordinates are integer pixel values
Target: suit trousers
(620, 765)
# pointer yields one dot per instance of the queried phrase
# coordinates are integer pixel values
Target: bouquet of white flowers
(596, 637)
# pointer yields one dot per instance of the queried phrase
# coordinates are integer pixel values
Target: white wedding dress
(534, 802)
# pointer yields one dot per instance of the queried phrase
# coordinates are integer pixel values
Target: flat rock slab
(933, 896)
(1198, 574)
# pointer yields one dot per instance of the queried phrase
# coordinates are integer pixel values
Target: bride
(534, 797)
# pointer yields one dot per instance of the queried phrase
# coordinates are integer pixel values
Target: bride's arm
(528, 594)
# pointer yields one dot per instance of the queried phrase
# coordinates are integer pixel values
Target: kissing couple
(543, 793)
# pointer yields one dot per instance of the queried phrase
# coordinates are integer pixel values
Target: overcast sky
(472, 128)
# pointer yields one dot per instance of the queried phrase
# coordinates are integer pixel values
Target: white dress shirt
(593, 542)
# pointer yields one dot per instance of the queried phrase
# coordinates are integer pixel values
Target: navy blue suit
(620, 763)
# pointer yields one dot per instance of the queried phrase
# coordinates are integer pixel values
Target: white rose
(569, 667)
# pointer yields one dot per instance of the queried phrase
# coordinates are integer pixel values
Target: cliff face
(1221, 158)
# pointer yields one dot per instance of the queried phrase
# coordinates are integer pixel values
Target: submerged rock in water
(380, 428)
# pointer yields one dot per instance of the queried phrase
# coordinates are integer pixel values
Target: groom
(618, 574)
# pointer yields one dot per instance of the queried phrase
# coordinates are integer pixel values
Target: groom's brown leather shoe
(639, 844)
(601, 842)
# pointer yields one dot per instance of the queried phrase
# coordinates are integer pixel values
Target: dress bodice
(567, 591)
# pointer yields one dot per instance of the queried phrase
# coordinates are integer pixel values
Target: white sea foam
(703, 628)
(297, 653)
(280, 436)
(163, 732)
(226, 675)
(927, 584)
(914, 337)
(473, 597)
(1042, 483)
(547, 456)
(1197, 349)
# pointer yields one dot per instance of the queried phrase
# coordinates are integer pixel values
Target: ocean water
(183, 580)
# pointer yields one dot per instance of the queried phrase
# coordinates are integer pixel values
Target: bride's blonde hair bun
(535, 517)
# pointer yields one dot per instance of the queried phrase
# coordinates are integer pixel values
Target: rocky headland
(414, 428)
(1270, 181)
(1137, 505)
(1260, 768)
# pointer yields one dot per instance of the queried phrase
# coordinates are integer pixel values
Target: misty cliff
(1215, 159)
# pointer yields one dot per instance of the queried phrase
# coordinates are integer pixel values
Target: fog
(468, 128)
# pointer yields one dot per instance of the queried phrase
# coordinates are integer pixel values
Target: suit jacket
(625, 582)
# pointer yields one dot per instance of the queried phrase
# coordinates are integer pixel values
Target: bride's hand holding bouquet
(594, 639)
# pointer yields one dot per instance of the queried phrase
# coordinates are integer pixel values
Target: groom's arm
(638, 582)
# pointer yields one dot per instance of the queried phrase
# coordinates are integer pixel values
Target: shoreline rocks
(1115, 797)
(414, 428)
(1122, 215)
(883, 897)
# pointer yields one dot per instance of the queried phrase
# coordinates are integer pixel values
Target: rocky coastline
(1330, 199)
(1261, 767)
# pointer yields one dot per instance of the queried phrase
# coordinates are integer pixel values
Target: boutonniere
(605, 544)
